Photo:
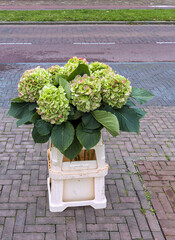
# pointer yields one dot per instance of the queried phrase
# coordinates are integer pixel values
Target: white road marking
(165, 42)
(161, 6)
(14, 43)
(94, 43)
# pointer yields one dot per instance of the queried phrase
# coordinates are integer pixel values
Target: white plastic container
(76, 183)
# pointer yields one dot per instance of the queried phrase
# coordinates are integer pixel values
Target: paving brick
(90, 215)
(141, 221)
(61, 232)
(115, 236)
(124, 232)
(28, 236)
(80, 220)
(71, 228)
(31, 213)
(110, 220)
(50, 236)
(39, 228)
(133, 227)
(20, 221)
(50, 220)
(102, 227)
(41, 206)
(146, 235)
(93, 235)
(8, 229)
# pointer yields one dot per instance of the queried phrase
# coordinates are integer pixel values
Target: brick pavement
(159, 180)
(73, 4)
(24, 212)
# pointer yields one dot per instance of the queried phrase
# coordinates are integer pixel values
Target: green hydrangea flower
(86, 93)
(31, 82)
(55, 70)
(103, 73)
(53, 104)
(95, 66)
(115, 90)
(72, 64)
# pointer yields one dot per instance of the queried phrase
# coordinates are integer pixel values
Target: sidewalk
(89, 4)
(24, 212)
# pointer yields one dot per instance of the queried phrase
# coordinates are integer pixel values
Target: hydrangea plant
(95, 66)
(53, 106)
(54, 71)
(31, 82)
(86, 93)
(83, 100)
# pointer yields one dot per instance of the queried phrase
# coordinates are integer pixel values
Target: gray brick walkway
(24, 212)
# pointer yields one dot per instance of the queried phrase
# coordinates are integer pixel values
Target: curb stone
(86, 22)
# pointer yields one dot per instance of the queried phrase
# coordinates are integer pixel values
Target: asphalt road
(109, 43)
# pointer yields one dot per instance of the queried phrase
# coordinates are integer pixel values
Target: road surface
(108, 43)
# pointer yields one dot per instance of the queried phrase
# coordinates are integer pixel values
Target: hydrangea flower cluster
(115, 90)
(53, 104)
(95, 66)
(31, 82)
(72, 64)
(55, 70)
(86, 93)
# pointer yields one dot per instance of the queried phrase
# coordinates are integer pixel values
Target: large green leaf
(130, 103)
(17, 99)
(74, 113)
(35, 117)
(74, 149)
(62, 136)
(16, 109)
(80, 70)
(88, 140)
(128, 119)
(108, 120)
(32, 106)
(141, 95)
(140, 112)
(38, 138)
(44, 128)
(65, 84)
(26, 117)
(90, 122)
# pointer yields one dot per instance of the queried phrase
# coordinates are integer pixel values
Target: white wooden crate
(78, 183)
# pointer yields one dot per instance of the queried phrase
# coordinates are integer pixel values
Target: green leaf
(141, 95)
(88, 140)
(128, 119)
(38, 138)
(65, 84)
(89, 122)
(32, 106)
(108, 120)
(16, 109)
(17, 99)
(80, 70)
(130, 103)
(73, 150)
(74, 113)
(26, 117)
(56, 81)
(35, 117)
(140, 112)
(62, 136)
(44, 128)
